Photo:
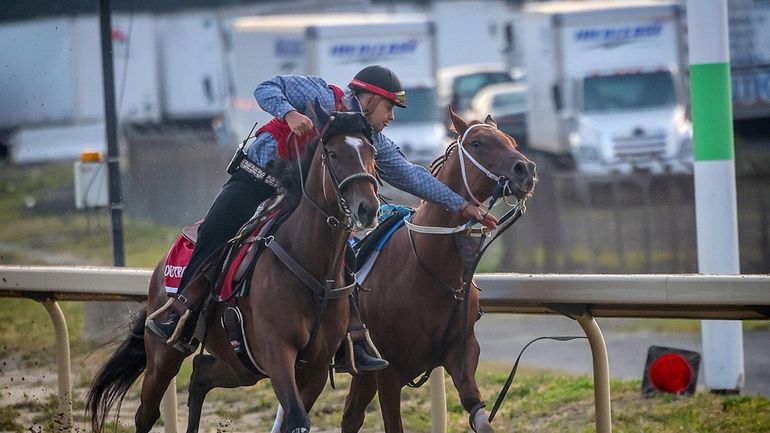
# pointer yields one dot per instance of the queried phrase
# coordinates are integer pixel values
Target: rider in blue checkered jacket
(378, 91)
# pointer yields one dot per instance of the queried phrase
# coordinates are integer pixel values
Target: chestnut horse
(410, 301)
(282, 320)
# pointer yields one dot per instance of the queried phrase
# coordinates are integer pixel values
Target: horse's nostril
(366, 214)
(520, 170)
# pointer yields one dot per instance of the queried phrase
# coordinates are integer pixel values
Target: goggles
(398, 98)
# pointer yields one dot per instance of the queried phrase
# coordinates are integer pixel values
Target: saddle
(245, 248)
(367, 249)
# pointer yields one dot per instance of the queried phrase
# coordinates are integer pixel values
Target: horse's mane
(435, 166)
(288, 174)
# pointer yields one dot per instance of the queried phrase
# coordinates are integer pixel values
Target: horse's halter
(337, 185)
(502, 181)
(501, 189)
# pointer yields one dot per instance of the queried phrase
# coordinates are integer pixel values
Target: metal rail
(582, 297)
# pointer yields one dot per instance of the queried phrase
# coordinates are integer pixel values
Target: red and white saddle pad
(176, 261)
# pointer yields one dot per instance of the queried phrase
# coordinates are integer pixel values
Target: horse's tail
(116, 376)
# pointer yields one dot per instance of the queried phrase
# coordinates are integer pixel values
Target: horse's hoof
(300, 430)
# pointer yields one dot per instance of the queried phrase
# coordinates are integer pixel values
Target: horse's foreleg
(208, 373)
(389, 387)
(464, 380)
(362, 390)
(162, 366)
(311, 388)
(285, 387)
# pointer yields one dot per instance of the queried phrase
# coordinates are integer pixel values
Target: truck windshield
(628, 92)
(422, 106)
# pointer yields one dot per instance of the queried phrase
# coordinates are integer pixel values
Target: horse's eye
(475, 143)
(332, 154)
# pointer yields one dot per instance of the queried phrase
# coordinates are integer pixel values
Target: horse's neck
(307, 235)
(430, 214)
(428, 246)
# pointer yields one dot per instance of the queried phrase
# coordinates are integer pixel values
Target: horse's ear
(490, 121)
(317, 114)
(460, 125)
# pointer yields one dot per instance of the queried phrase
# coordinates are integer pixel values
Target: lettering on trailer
(288, 48)
(373, 51)
(611, 37)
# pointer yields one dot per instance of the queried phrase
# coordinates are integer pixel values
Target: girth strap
(322, 291)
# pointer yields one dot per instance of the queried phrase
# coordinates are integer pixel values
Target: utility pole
(110, 119)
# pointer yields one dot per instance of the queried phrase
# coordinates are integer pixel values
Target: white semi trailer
(335, 47)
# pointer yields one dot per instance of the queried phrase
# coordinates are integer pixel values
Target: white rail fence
(581, 297)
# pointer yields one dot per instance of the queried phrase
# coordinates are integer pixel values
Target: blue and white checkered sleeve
(414, 179)
(284, 93)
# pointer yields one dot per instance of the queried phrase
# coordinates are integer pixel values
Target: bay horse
(282, 321)
(409, 301)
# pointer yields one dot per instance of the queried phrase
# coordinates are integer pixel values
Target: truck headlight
(585, 146)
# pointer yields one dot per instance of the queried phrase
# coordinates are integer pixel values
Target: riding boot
(357, 352)
(179, 326)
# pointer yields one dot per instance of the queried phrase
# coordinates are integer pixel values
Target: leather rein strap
(324, 290)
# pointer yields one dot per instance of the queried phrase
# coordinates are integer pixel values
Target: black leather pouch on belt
(237, 158)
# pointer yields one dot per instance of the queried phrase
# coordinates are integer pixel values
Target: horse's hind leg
(162, 366)
(464, 380)
(209, 373)
(389, 386)
(362, 390)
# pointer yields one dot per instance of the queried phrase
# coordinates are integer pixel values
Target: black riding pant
(235, 204)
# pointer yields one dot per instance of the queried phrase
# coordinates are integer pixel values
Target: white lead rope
(432, 230)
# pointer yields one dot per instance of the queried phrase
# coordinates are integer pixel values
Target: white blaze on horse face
(356, 143)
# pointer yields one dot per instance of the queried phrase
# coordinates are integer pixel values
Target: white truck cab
(605, 85)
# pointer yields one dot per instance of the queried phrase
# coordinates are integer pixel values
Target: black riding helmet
(380, 81)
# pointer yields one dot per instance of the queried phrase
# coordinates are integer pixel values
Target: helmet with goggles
(380, 81)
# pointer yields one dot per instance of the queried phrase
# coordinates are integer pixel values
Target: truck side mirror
(557, 97)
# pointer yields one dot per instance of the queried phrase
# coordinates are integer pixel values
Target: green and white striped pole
(715, 203)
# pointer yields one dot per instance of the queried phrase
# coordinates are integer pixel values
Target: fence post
(63, 365)
(437, 401)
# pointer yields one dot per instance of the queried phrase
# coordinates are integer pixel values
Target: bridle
(337, 185)
(465, 154)
(502, 189)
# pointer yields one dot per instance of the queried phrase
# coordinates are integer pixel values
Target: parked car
(507, 103)
(457, 85)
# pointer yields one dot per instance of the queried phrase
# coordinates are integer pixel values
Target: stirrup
(344, 359)
(176, 336)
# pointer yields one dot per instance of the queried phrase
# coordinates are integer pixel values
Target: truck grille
(644, 147)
